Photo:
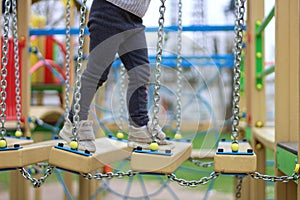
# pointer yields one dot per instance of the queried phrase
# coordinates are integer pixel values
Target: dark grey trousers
(114, 30)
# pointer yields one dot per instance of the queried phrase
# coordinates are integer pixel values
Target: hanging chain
(284, 179)
(17, 66)
(37, 182)
(159, 50)
(77, 94)
(4, 63)
(179, 68)
(239, 187)
(122, 96)
(68, 60)
(109, 175)
(193, 183)
(238, 47)
(201, 164)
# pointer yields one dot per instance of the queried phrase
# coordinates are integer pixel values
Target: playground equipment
(230, 152)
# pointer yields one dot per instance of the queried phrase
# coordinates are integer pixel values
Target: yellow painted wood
(27, 155)
(108, 151)
(162, 164)
(234, 163)
(265, 136)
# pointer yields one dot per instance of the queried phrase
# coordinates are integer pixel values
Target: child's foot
(142, 137)
(86, 137)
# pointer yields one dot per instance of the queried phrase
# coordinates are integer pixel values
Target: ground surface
(55, 191)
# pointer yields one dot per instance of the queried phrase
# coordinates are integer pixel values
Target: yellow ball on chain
(18, 133)
(3, 143)
(235, 147)
(153, 146)
(177, 136)
(120, 135)
(74, 145)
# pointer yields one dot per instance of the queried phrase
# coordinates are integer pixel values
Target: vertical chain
(239, 187)
(159, 50)
(17, 66)
(179, 68)
(68, 60)
(79, 68)
(239, 15)
(122, 96)
(4, 62)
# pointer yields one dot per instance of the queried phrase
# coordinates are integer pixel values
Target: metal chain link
(77, 94)
(108, 175)
(201, 164)
(17, 66)
(193, 183)
(68, 59)
(179, 68)
(37, 182)
(156, 96)
(122, 96)
(4, 62)
(239, 187)
(239, 17)
(284, 179)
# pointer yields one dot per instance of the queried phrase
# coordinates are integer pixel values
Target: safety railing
(260, 27)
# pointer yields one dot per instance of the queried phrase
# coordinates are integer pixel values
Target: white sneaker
(142, 137)
(86, 136)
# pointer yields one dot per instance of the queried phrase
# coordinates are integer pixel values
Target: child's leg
(137, 64)
(134, 55)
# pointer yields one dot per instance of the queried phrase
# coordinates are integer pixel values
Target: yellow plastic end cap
(74, 145)
(177, 136)
(235, 147)
(3, 143)
(120, 135)
(297, 167)
(18, 134)
(153, 146)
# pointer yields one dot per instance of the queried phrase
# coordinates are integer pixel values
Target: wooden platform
(203, 153)
(11, 141)
(161, 162)
(15, 157)
(108, 151)
(227, 161)
(49, 114)
(265, 135)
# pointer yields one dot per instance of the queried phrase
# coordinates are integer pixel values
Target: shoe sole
(80, 147)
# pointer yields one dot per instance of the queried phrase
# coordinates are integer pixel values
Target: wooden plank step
(161, 162)
(203, 153)
(265, 135)
(108, 150)
(11, 141)
(238, 162)
(21, 156)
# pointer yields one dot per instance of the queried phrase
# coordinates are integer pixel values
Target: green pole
(266, 72)
(259, 56)
(266, 21)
